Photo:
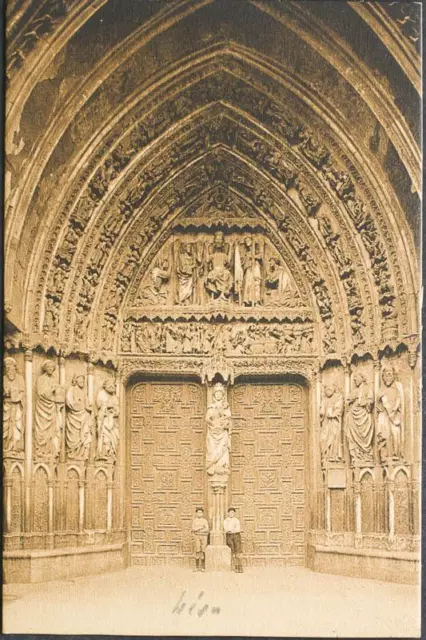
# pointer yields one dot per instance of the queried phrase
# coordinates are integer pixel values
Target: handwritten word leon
(190, 609)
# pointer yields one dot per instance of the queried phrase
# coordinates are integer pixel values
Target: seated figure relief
(202, 269)
(219, 277)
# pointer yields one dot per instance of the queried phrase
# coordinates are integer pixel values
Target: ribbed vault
(135, 138)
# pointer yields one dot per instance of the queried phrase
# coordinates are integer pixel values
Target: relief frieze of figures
(295, 134)
(240, 269)
(372, 424)
(232, 339)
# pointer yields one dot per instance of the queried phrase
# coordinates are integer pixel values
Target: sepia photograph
(212, 411)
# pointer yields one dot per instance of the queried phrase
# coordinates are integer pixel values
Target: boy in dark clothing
(200, 529)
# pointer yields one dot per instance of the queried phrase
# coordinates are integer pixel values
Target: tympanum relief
(242, 269)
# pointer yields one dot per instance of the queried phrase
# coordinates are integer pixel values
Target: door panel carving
(269, 471)
(167, 470)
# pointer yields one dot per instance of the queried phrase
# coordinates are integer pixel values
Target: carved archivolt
(278, 162)
(100, 181)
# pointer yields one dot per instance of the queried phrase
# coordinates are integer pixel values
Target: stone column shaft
(81, 506)
(358, 514)
(8, 505)
(28, 357)
(109, 506)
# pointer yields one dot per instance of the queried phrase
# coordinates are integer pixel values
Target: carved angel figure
(48, 419)
(331, 413)
(219, 427)
(359, 420)
(78, 423)
(390, 407)
(107, 422)
(251, 282)
(13, 407)
(277, 283)
(155, 292)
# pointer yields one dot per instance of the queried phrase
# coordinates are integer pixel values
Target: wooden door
(268, 460)
(167, 470)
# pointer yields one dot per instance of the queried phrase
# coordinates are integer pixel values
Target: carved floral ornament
(302, 144)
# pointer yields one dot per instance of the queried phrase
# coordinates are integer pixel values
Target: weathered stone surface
(218, 558)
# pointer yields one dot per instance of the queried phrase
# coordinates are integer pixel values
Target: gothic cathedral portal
(212, 286)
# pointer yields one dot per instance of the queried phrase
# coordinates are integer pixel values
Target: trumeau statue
(107, 422)
(48, 418)
(331, 413)
(359, 420)
(219, 427)
(390, 416)
(13, 407)
(78, 424)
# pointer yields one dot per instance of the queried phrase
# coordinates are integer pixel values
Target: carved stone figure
(277, 283)
(249, 286)
(219, 427)
(107, 422)
(78, 423)
(185, 271)
(13, 407)
(359, 420)
(155, 292)
(219, 277)
(331, 412)
(48, 418)
(390, 407)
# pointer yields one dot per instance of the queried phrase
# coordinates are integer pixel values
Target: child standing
(200, 529)
(233, 538)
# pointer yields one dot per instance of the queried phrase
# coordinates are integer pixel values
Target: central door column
(218, 446)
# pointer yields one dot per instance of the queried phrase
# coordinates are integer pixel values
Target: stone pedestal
(218, 558)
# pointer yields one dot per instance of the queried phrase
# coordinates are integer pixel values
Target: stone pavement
(172, 601)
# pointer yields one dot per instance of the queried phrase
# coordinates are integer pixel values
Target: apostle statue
(251, 259)
(78, 423)
(48, 418)
(13, 407)
(359, 421)
(390, 416)
(219, 277)
(219, 427)
(331, 412)
(107, 422)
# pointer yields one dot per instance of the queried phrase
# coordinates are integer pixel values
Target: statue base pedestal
(218, 558)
